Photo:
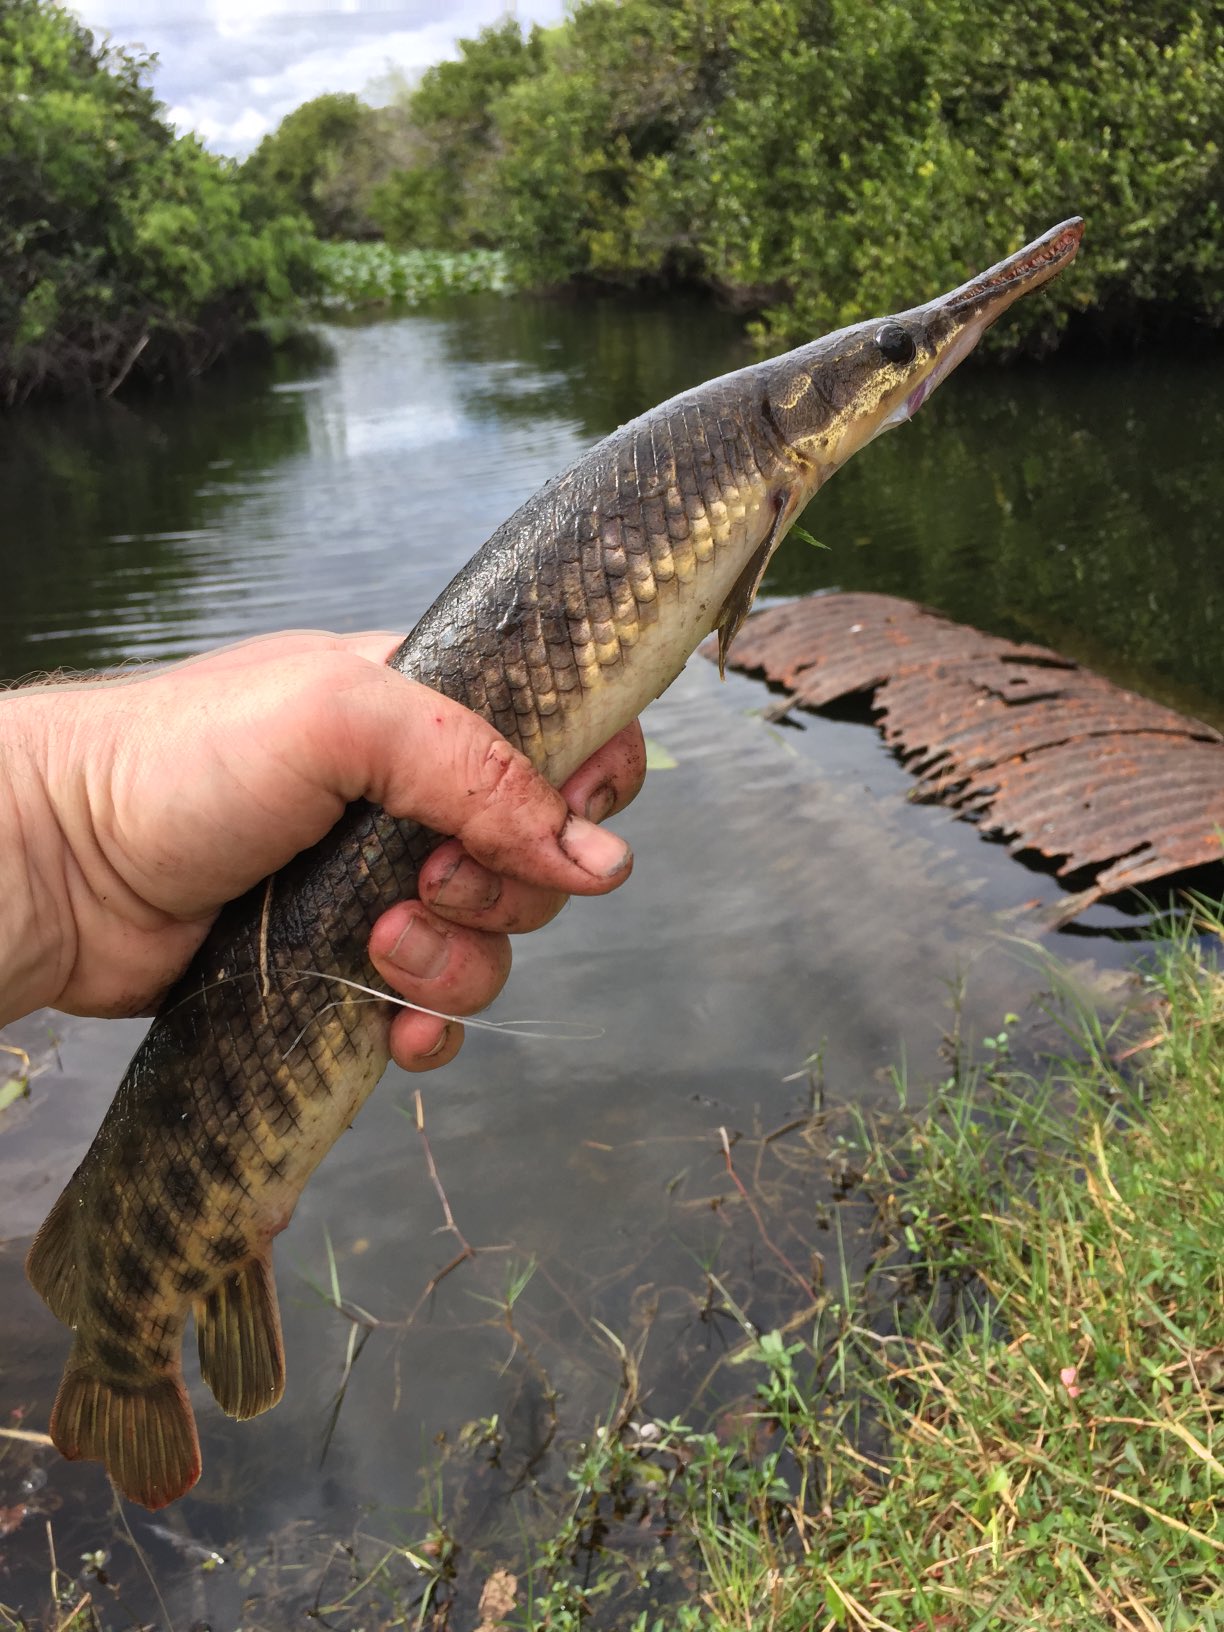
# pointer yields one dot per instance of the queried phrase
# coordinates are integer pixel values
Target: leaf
(802, 532)
(835, 1603)
(14, 1089)
(497, 1599)
(11, 1517)
(659, 758)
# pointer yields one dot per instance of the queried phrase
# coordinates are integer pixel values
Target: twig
(82, 1603)
(127, 367)
(28, 1436)
(800, 1280)
(784, 1128)
(466, 1249)
(144, 1562)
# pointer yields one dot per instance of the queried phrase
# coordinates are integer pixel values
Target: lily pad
(11, 1091)
(659, 758)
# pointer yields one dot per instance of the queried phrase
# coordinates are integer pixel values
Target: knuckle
(505, 781)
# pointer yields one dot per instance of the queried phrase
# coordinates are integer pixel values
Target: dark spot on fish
(132, 1271)
(190, 1280)
(184, 1188)
(93, 1256)
(222, 1165)
(118, 1359)
(155, 1228)
(106, 1208)
(228, 1249)
(769, 415)
(165, 1110)
(117, 1317)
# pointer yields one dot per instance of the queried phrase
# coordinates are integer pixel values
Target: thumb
(429, 758)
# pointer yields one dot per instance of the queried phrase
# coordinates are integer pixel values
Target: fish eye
(896, 343)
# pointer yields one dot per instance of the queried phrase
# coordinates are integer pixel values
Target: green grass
(359, 275)
(1056, 1448)
(1026, 1430)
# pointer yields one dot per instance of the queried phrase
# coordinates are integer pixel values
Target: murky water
(787, 900)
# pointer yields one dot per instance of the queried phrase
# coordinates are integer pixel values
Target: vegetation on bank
(812, 160)
(809, 160)
(355, 275)
(1025, 1427)
(125, 250)
(1017, 1421)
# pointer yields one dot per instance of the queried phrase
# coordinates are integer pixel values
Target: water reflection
(1073, 505)
(595, 362)
(112, 518)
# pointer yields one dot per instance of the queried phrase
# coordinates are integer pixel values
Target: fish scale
(579, 610)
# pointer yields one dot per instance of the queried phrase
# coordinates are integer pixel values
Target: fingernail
(597, 852)
(601, 802)
(443, 1039)
(468, 886)
(421, 950)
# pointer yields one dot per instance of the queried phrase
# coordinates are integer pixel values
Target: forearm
(31, 867)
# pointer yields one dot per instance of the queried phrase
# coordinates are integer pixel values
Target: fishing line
(569, 1031)
(550, 1030)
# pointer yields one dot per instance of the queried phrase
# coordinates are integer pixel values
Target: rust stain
(1037, 750)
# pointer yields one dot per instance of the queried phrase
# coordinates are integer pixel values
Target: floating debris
(1038, 750)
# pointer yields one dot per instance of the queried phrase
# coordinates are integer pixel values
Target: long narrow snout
(960, 318)
(993, 291)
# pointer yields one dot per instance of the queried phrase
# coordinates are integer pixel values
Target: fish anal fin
(143, 1433)
(51, 1262)
(242, 1358)
(738, 603)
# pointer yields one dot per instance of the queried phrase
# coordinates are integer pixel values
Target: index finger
(421, 755)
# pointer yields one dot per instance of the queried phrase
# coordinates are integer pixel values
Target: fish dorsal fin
(242, 1358)
(51, 1262)
(142, 1430)
(738, 603)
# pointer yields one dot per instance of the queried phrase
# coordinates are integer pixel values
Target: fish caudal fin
(144, 1434)
(242, 1358)
(51, 1262)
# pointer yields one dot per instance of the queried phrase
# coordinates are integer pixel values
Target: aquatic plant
(358, 275)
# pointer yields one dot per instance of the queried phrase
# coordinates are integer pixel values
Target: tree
(826, 158)
(325, 159)
(122, 246)
(445, 196)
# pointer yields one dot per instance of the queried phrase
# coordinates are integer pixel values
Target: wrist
(32, 940)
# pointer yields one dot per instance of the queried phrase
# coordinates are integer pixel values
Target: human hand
(138, 807)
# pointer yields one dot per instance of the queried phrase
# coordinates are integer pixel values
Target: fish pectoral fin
(738, 603)
(142, 1432)
(51, 1262)
(242, 1358)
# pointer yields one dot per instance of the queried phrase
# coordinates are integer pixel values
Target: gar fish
(579, 610)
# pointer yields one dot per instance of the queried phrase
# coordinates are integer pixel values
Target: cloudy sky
(232, 69)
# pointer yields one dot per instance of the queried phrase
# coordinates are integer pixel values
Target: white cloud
(232, 69)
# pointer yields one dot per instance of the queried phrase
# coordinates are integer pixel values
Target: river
(789, 905)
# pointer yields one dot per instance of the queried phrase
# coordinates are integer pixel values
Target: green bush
(123, 248)
(326, 160)
(446, 195)
(817, 159)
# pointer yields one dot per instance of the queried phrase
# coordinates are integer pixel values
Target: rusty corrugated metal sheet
(1038, 750)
